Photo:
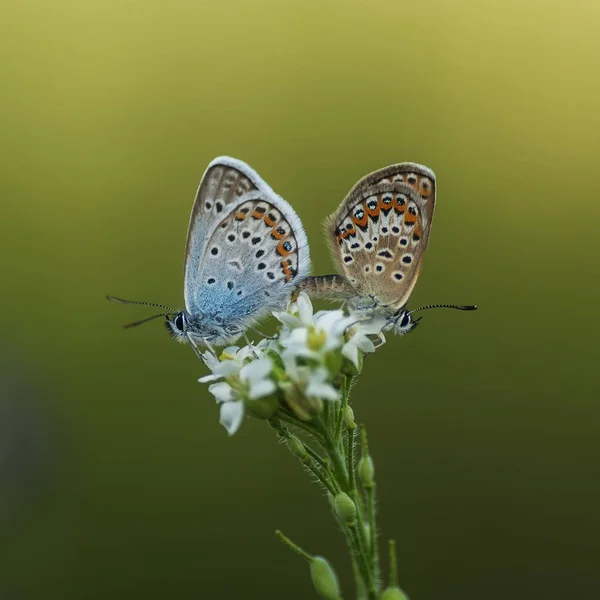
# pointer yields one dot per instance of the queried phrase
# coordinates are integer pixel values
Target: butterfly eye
(405, 321)
(179, 322)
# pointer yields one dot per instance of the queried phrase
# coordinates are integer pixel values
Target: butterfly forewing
(379, 233)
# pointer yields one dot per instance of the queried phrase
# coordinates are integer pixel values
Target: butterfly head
(401, 322)
(178, 325)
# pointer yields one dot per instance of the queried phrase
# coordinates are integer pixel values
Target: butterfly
(378, 237)
(246, 251)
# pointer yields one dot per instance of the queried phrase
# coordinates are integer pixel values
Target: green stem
(340, 413)
(363, 562)
(350, 466)
(312, 461)
(393, 564)
(337, 459)
(286, 540)
(374, 554)
(310, 429)
(320, 475)
(316, 457)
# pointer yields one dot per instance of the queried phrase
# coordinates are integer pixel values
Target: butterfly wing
(246, 247)
(379, 233)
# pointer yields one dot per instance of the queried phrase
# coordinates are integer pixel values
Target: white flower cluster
(299, 366)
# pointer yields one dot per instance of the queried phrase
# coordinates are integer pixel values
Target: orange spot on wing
(287, 270)
(281, 250)
(269, 221)
(277, 235)
(239, 216)
(375, 211)
(418, 232)
(257, 215)
(364, 220)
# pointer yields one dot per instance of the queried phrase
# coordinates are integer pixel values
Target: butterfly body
(246, 251)
(378, 237)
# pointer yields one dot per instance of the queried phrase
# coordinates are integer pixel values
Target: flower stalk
(300, 383)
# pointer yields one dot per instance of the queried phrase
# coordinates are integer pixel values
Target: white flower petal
(350, 351)
(227, 368)
(370, 327)
(262, 388)
(328, 319)
(210, 360)
(210, 377)
(229, 352)
(232, 414)
(221, 391)
(297, 337)
(305, 309)
(287, 319)
(250, 351)
(362, 342)
(322, 390)
(256, 370)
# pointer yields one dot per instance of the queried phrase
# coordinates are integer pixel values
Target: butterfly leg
(381, 338)
(264, 335)
(208, 345)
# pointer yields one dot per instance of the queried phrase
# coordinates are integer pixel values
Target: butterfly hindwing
(379, 233)
(246, 247)
(253, 260)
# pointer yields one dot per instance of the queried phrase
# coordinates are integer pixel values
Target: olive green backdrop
(116, 480)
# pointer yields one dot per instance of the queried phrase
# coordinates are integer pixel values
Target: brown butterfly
(378, 237)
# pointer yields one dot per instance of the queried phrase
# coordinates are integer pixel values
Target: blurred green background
(116, 480)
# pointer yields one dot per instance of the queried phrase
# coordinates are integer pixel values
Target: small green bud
(367, 530)
(263, 408)
(324, 579)
(333, 362)
(393, 593)
(304, 408)
(366, 471)
(349, 418)
(296, 447)
(345, 508)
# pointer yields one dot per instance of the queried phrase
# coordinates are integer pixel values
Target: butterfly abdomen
(326, 287)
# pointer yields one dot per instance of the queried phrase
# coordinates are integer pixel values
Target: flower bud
(367, 530)
(349, 418)
(393, 593)
(333, 362)
(345, 508)
(324, 579)
(296, 447)
(263, 408)
(305, 408)
(366, 471)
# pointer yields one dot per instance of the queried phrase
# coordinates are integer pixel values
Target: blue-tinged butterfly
(246, 251)
(377, 237)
